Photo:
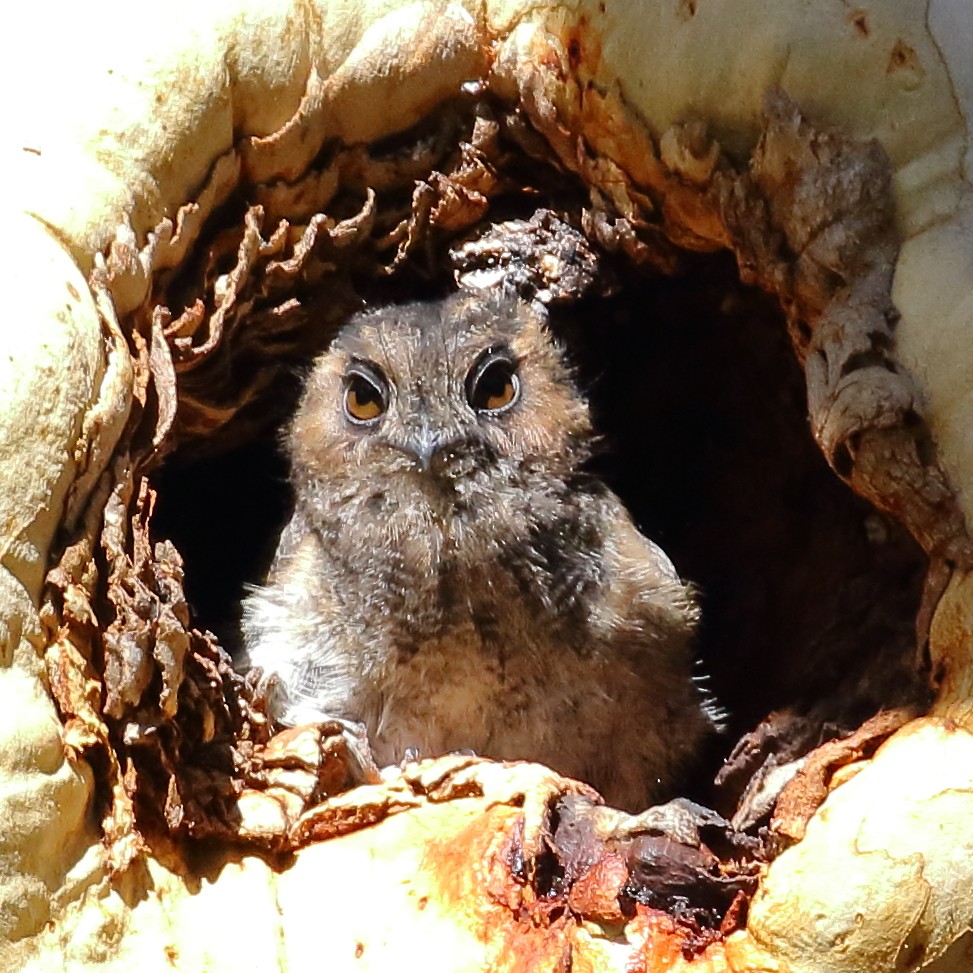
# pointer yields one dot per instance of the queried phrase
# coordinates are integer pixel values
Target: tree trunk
(196, 208)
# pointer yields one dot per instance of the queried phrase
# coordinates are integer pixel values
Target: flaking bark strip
(813, 223)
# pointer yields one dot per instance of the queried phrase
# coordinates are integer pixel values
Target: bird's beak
(424, 445)
(430, 448)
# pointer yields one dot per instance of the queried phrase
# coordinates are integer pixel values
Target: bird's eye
(493, 384)
(366, 394)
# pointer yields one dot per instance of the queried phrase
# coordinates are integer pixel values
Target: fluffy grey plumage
(452, 577)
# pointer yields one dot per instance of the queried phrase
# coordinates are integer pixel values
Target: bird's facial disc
(439, 423)
(464, 389)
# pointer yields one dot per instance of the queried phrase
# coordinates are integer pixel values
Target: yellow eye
(366, 398)
(503, 395)
(493, 384)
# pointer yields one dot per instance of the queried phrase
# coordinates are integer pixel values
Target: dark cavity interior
(809, 594)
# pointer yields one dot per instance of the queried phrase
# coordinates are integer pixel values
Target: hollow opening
(809, 594)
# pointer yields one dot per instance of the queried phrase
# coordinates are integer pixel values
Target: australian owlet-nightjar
(454, 578)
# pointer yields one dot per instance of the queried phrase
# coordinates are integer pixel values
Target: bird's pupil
(500, 393)
(365, 394)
